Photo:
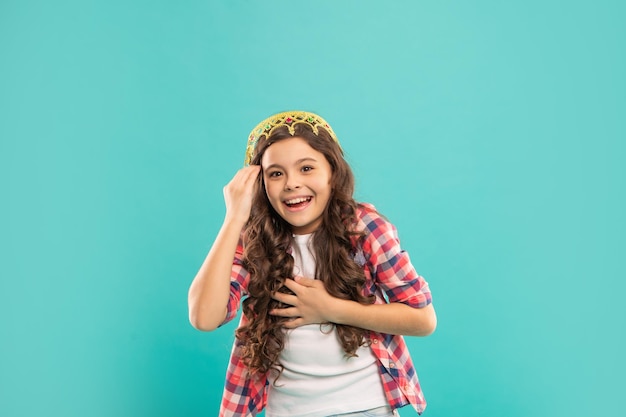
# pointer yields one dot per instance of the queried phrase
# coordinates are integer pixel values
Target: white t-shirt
(318, 380)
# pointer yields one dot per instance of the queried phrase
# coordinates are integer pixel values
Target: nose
(292, 183)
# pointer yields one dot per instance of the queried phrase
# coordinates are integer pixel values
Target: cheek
(325, 188)
(270, 191)
(330, 184)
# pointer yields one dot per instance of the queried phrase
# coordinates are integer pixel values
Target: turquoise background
(491, 133)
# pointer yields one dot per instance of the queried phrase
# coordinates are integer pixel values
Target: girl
(328, 290)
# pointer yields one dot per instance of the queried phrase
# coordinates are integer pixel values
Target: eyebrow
(298, 162)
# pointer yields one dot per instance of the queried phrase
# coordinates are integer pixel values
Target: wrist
(343, 311)
(234, 224)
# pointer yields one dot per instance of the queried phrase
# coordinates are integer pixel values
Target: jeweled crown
(289, 119)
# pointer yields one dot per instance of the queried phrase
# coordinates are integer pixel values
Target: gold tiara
(289, 119)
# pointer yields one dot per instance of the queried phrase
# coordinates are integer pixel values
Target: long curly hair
(267, 238)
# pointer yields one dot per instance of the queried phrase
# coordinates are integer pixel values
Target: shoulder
(379, 234)
(369, 220)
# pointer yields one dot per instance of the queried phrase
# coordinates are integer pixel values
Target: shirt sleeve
(391, 266)
(239, 278)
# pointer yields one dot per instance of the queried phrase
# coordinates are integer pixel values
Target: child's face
(297, 183)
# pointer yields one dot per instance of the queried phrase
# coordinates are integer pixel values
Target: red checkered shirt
(389, 275)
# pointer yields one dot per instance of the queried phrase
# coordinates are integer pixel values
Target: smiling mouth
(297, 202)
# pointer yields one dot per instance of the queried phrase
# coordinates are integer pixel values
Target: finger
(285, 312)
(292, 324)
(305, 282)
(292, 300)
(246, 174)
(292, 285)
(250, 179)
(235, 183)
(242, 184)
(251, 172)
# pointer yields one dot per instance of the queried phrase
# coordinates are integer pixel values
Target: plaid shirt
(389, 274)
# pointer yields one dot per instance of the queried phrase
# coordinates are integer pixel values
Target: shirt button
(392, 365)
(375, 341)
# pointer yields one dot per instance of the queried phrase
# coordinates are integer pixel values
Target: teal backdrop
(491, 133)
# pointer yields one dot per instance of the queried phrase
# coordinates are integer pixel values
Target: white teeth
(297, 200)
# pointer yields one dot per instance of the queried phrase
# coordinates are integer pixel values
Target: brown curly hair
(267, 238)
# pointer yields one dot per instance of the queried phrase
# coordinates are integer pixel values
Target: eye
(275, 174)
(306, 168)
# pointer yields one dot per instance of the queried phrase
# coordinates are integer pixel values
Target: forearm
(393, 318)
(210, 290)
